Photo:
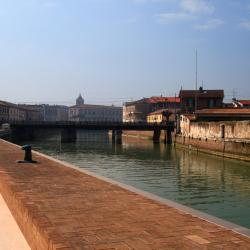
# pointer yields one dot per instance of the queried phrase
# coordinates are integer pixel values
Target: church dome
(79, 100)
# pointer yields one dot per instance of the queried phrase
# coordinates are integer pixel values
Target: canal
(217, 186)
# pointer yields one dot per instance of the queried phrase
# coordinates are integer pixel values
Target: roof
(191, 117)
(223, 112)
(220, 114)
(219, 93)
(160, 111)
(9, 104)
(84, 106)
(155, 99)
(244, 102)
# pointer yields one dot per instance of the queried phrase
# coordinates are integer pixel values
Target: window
(190, 102)
(211, 103)
(223, 131)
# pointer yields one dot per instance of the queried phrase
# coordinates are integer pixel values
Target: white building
(94, 113)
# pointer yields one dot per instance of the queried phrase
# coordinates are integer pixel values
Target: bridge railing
(94, 124)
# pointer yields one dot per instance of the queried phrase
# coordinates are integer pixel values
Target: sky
(114, 51)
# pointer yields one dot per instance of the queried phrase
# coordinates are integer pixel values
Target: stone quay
(58, 206)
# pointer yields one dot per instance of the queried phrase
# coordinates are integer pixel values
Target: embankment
(226, 148)
(58, 206)
(235, 149)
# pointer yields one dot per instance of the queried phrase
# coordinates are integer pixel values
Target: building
(33, 112)
(160, 116)
(4, 112)
(241, 103)
(94, 113)
(137, 111)
(55, 112)
(45, 112)
(192, 100)
(231, 123)
(10, 112)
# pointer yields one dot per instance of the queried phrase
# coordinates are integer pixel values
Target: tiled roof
(202, 93)
(224, 111)
(191, 117)
(83, 106)
(3, 103)
(244, 102)
(160, 111)
(156, 99)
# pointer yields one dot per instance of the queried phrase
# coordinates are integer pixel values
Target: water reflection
(218, 186)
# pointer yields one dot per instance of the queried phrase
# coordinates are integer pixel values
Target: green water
(217, 186)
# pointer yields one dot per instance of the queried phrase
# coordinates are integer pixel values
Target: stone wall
(226, 148)
(213, 130)
(142, 134)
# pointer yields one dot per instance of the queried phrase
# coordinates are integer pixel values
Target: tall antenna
(234, 93)
(196, 69)
(196, 78)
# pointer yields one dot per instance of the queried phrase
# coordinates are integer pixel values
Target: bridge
(69, 128)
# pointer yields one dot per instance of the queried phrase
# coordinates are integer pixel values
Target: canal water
(217, 186)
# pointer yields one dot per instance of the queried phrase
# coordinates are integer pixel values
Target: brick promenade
(58, 207)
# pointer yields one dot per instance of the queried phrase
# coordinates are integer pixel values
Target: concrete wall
(136, 112)
(213, 130)
(226, 148)
(95, 113)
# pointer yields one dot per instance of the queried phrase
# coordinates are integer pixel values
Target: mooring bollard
(27, 155)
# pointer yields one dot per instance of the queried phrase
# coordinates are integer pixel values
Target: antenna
(234, 93)
(196, 78)
(196, 69)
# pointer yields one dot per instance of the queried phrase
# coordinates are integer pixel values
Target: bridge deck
(58, 207)
(96, 125)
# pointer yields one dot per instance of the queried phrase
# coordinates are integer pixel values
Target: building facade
(160, 116)
(94, 113)
(45, 112)
(192, 100)
(241, 103)
(33, 112)
(4, 112)
(138, 111)
(55, 112)
(217, 124)
(10, 112)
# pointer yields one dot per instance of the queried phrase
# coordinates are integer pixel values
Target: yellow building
(158, 116)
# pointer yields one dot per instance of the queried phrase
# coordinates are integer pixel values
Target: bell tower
(79, 100)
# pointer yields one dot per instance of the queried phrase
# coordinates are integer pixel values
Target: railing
(96, 124)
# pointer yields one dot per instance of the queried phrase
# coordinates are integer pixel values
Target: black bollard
(27, 155)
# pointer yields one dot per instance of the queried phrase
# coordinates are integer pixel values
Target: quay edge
(45, 199)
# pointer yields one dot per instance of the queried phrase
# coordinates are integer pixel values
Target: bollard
(27, 155)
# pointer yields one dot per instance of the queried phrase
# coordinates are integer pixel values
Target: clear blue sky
(115, 50)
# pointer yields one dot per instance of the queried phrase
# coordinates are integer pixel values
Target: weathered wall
(233, 129)
(143, 134)
(227, 148)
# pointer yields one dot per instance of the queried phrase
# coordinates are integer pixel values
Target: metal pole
(196, 78)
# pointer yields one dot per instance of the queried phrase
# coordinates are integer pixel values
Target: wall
(226, 148)
(4, 113)
(136, 112)
(210, 130)
(95, 113)
(155, 118)
(188, 103)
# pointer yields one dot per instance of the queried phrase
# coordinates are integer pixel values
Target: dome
(79, 100)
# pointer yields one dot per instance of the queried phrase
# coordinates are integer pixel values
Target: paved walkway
(11, 237)
(61, 208)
